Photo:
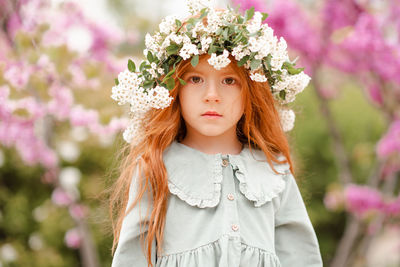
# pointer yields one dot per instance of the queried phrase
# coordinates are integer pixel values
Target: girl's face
(208, 90)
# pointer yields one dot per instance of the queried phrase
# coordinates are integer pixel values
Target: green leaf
(254, 34)
(255, 63)
(193, 21)
(169, 74)
(240, 20)
(268, 61)
(244, 40)
(212, 49)
(141, 67)
(282, 94)
(249, 13)
(178, 23)
(181, 81)
(296, 71)
(148, 84)
(189, 27)
(177, 61)
(170, 83)
(243, 60)
(237, 38)
(225, 33)
(131, 66)
(292, 70)
(150, 57)
(172, 49)
(116, 81)
(264, 16)
(165, 67)
(195, 60)
(203, 13)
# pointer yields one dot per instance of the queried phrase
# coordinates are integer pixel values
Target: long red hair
(259, 127)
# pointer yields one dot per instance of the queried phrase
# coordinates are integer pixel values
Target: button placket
(229, 192)
(235, 227)
(225, 162)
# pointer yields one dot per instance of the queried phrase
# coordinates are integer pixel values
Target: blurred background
(60, 131)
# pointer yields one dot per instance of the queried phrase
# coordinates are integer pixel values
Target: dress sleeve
(129, 251)
(296, 243)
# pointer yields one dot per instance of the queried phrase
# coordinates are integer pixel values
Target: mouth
(211, 114)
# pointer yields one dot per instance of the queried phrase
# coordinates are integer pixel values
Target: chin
(212, 132)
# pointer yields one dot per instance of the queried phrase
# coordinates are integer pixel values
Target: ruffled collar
(196, 177)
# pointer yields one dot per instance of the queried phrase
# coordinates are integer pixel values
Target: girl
(208, 179)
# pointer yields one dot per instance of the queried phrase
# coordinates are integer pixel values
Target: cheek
(186, 102)
(236, 103)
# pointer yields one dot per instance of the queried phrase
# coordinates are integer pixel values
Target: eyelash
(234, 80)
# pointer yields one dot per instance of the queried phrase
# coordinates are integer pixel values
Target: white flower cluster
(188, 50)
(255, 24)
(240, 51)
(258, 77)
(214, 20)
(128, 91)
(128, 81)
(292, 85)
(159, 98)
(205, 44)
(256, 48)
(221, 61)
(134, 132)
(168, 25)
(265, 43)
(287, 118)
(195, 6)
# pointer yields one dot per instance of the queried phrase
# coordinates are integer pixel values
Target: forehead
(204, 67)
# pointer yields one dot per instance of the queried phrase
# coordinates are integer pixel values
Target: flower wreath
(226, 32)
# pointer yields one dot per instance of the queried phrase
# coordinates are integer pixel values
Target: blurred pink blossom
(35, 109)
(80, 116)
(61, 103)
(60, 197)
(73, 238)
(392, 208)
(116, 124)
(259, 5)
(328, 92)
(49, 176)
(390, 142)
(338, 14)
(17, 74)
(334, 199)
(375, 94)
(78, 211)
(20, 133)
(362, 199)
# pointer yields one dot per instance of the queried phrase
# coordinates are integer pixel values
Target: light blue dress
(224, 210)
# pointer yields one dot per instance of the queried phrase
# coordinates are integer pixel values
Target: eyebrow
(226, 72)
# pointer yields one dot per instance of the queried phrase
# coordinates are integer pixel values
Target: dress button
(231, 197)
(235, 227)
(225, 162)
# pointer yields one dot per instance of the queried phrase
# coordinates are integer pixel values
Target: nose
(212, 93)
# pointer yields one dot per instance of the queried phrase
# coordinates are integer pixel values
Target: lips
(211, 113)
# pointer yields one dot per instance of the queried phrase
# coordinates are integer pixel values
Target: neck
(214, 144)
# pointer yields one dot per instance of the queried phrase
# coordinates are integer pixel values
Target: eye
(229, 81)
(195, 79)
